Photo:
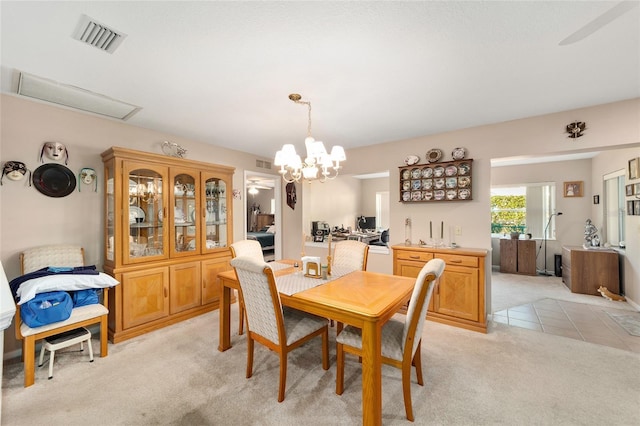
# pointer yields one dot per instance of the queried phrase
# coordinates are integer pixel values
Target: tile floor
(580, 321)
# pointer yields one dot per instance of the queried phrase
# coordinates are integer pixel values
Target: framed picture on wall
(637, 189)
(630, 208)
(628, 189)
(573, 189)
(636, 207)
(634, 168)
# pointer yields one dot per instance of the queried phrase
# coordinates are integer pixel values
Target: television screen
(369, 222)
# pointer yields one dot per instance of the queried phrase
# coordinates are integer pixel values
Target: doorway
(262, 215)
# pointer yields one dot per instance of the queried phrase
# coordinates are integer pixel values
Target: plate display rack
(437, 182)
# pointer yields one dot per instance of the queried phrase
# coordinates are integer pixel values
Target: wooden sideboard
(584, 271)
(459, 296)
(518, 256)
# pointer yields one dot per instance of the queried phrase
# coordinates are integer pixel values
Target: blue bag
(46, 308)
(84, 297)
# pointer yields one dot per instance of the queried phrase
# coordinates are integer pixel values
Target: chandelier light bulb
(317, 161)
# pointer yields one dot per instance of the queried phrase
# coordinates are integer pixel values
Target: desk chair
(401, 341)
(253, 249)
(280, 330)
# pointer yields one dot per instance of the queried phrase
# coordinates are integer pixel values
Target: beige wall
(28, 218)
(609, 126)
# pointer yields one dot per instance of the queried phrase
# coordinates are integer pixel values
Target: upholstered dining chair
(401, 341)
(268, 323)
(349, 256)
(253, 249)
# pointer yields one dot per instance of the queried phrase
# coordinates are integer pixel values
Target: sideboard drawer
(414, 255)
(452, 259)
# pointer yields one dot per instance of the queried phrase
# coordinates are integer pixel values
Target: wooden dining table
(362, 299)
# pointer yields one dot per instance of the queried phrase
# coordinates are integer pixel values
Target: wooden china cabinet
(168, 227)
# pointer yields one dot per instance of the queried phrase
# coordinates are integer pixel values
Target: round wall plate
(54, 180)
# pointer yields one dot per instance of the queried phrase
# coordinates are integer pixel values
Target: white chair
(82, 316)
(251, 248)
(349, 256)
(401, 341)
(280, 330)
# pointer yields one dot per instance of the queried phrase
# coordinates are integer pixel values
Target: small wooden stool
(63, 340)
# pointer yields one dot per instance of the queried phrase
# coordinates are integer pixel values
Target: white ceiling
(221, 72)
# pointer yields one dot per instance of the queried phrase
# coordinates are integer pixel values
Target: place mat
(297, 282)
(276, 266)
(629, 321)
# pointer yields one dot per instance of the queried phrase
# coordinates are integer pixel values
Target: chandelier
(317, 165)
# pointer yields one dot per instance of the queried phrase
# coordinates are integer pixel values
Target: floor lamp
(545, 241)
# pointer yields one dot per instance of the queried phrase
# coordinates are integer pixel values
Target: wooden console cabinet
(168, 227)
(518, 256)
(459, 297)
(584, 271)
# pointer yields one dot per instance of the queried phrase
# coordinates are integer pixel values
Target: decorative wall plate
(463, 194)
(410, 160)
(459, 153)
(451, 170)
(434, 155)
(406, 174)
(464, 169)
(54, 180)
(427, 172)
(416, 173)
(438, 171)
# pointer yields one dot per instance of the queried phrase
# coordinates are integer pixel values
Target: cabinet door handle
(166, 294)
(414, 257)
(456, 261)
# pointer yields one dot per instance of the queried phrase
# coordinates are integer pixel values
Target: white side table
(63, 340)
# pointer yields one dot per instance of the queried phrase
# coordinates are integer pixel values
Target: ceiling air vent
(97, 35)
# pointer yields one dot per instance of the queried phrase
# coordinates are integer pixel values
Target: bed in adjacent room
(266, 237)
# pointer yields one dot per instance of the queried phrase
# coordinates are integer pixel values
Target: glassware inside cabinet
(146, 213)
(110, 215)
(215, 213)
(184, 213)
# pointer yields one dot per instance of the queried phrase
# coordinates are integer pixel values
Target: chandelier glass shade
(318, 164)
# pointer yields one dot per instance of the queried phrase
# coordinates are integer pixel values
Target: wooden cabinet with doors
(459, 297)
(168, 227)
(518, 256)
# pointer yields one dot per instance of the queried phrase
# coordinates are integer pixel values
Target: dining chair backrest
(249, 248)
(260, 296)
(417, 310)
(350, 255)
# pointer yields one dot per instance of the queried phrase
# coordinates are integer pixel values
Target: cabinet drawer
(414, 255)
(458, 260)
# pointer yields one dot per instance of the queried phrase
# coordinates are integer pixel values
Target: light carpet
(176, 376)
(629, 321)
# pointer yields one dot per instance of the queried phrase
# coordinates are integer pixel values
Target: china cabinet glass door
(110, 228)
(145, 214)
(184, 237)
(215, 213)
